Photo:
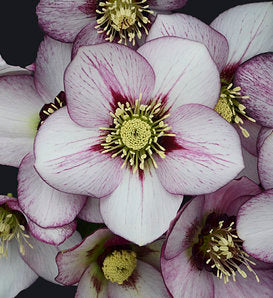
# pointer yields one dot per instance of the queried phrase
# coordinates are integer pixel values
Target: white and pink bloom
(22, 256)
(203, 255)
(106, 265)
(25, 102)
(135, 134)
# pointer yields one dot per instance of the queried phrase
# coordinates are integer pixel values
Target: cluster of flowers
(126, 110)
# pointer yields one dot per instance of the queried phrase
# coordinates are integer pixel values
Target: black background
(20, 37)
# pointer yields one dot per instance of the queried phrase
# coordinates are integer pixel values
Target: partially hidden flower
(124, 21)
(203, 255)
(106, 265)
(26, 100)
(22, 256)
(131, 137)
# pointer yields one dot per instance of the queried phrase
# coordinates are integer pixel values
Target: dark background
(20, 37)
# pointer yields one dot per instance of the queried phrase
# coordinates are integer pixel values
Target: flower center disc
(119, 265)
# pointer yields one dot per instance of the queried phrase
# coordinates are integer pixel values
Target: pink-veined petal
(248, 30)
(43, 204)
(206, 153)
(140, 209)
(63, 20)
(102, 75)
(185, 26)
(69, 158)
(52, 59)
(255, 226)
(255, 77)
(166, 4)
(91, 211)
(184, 71)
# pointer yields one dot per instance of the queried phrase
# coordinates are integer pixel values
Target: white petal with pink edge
(145, 281)
(206, 155)
(255, 77)
(255, 226)
(91, 211)
(102, 75)
(63, 20)
(140, 209)
(43, 204)
(184, 70)
(41, 258)
(188, 27)
(20, 105)
(167, 4)
(52, 59)
(248, 30)
(16, 275)
(69, 158)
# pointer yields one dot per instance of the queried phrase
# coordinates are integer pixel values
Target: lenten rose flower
(25, 102)
(22, 256)
(118, 20)
(137, 136)
(203, 256)
(235, 36)
(106, 265)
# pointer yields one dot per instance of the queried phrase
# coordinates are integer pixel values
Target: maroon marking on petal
(115, 241)
(144, 251)
(96, 283)
(141, 175)
(97, 148)
(132, 280)
(228, 72)
(117, 97)
(170, 144)
(88, 8)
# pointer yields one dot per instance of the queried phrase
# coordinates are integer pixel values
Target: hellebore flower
(106, 265)
(120, 20)
(233, 37)
(22, 256)
(24, 105)
(132, 140)
(203, 255)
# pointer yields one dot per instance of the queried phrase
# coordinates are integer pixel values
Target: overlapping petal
(91, 211)
(166, 4)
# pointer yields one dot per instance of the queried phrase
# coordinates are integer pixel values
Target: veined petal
(91, 211)
(255, 77)
(63, 20)
(140, 209)
(255, 226)
(102, 75)
(207, 154)
(69, 158)
(19, 113)
(43, 204)
(184, 70)
(248, 30)
(166, 4)
(52, 59)
(185, 26)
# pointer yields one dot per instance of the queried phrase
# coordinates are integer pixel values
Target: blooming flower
(203, 255)
(24, 105)
(132, 140)
(22, 256)
(121, 20)
(106, 265)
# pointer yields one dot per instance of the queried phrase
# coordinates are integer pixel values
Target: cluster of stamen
(220, 251)
(119, 265)
(230, 108)
(127, 18)
(10, 228)
(136, 132)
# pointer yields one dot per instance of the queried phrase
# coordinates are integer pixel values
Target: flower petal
(43, 204)
(185, 26)
(102, 75)
(145, 281)
(255, 226)
(63, 20)
(255, 77)
(41, 258)
(7, 70)
(184, 70)
(52, 59)
(69, 158)
(19, 113)
(166, 4)
(16, 275)
(248, 30)
(91, 211)
(263, 134)
(140, 209)
(207, 153)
